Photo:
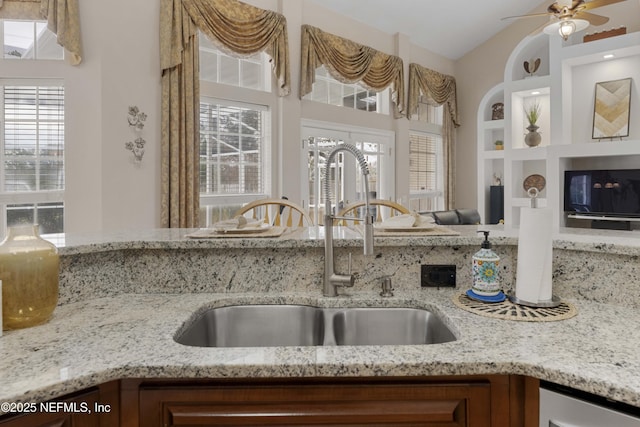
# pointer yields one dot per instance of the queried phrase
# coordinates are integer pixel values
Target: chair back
(279, 212)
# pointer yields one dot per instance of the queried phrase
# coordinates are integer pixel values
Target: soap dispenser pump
(486, 274)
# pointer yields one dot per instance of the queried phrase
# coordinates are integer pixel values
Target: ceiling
(450, 28)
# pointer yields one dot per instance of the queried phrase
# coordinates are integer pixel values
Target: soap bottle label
(486, 273)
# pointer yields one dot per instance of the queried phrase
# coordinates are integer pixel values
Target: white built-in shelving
(564, 86)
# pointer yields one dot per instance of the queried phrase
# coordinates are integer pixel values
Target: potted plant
(532, 114)
(499, 145)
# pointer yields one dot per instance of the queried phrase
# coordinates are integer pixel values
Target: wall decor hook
(136, 118)
(137, 148)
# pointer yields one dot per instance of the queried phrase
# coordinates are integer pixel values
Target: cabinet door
(74, 412)
(340, 404)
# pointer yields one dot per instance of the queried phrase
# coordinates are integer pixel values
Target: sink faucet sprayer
(331, 279)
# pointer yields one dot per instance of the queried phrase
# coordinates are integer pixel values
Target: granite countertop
(130, 335)
(84, 344)
(609, 241)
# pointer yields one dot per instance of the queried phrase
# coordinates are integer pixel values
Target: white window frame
(383, 97)
(261, 58)
(207, 199)
(353, 135)
(24, 197)
(217, 207)
(32, 72)
(430, 200)
(35, 41)
(428, 121)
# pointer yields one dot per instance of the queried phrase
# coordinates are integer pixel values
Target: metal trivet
(507, 310)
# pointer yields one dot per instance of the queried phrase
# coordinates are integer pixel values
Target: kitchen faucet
(331, 279)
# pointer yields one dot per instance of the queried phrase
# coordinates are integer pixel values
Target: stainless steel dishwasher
(563, 407)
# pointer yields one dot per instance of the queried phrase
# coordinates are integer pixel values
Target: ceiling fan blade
(533, 15)
(591, 17)
(598, 3)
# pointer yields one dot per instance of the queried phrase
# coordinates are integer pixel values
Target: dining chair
(353, 209)
(279, 212)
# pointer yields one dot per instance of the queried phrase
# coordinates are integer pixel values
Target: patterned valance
(437, 87)
(236, 28)
(349, 62)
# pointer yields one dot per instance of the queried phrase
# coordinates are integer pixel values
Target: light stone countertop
(609, 241)
(126, 335)
(86, 344)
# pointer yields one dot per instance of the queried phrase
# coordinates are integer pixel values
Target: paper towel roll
(534, 268)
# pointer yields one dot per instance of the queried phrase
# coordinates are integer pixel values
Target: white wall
(105, 190)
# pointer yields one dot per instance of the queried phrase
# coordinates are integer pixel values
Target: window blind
(33, 150)
(423, 163)
(231, 148)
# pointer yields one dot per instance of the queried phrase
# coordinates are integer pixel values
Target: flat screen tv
(609, 193)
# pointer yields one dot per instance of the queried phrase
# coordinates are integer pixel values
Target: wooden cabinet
(70, 412)
(429, 401)
(96, 407)
(475, 401)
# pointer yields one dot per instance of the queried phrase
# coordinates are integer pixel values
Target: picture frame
(612, 109)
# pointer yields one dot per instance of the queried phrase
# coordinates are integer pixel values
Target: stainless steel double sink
(302, 325)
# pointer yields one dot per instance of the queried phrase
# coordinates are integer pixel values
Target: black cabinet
(496, 204)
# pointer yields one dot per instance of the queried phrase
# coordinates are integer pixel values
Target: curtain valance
(63, 19)
(349, 62)
(236, 28)
(436, 86)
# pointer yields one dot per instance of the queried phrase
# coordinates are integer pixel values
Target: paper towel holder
(533, 194)
(554, 302)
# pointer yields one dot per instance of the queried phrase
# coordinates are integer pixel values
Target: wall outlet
(438, 276)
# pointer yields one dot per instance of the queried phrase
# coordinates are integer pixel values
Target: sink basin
(389, 326)
(300, 325)
(256, 326)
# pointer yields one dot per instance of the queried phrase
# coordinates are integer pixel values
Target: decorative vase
(533, 138)
(497, 111)
(29, 274)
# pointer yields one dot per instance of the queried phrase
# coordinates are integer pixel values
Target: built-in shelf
(495, 154)
(564, 86)
(525, 202)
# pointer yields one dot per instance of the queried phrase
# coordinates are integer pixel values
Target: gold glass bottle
(29, 274)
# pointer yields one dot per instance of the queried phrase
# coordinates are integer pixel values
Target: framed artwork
(612, 109)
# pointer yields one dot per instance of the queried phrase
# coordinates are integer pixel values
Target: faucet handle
(387, 287)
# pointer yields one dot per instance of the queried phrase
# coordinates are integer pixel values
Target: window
(427, 112)
(235, 133)
(426, 161)
(232, 152)
(32, 168)
(29, 40)
(328, 90)
(250, 73)
(345, 177)
(426, 180)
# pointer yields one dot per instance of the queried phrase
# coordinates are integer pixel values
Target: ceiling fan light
(566, 29)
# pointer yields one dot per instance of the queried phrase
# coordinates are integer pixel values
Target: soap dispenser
(486, 274)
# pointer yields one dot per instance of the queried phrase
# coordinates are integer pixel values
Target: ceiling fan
(570, 16)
